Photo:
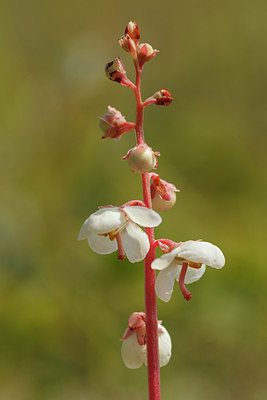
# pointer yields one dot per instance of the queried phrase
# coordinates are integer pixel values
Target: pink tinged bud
(141, 159)
(163, 97)
(145, 53)
(113, 124)
(115, 71)
(133, 31)
(162, 193)
(128, 45)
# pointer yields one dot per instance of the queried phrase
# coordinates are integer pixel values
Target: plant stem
(150, 274)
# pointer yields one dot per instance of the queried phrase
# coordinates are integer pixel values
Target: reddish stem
(150, 274)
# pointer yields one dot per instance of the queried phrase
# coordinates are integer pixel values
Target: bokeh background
(63, 308)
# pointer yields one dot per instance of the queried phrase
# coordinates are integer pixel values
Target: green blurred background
(63, 308)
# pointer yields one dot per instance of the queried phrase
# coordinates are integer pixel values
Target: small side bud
(116, 71)
(160, 98)
(145, 53)
(133, 31)
(113, 124)
(163, 193)
(128, 45)
(163, 97)
(141, 159)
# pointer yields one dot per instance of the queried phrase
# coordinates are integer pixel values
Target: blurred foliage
(64, 308)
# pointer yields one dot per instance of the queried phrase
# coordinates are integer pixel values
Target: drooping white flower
(133, 349)
(115, 228)
(186, 264)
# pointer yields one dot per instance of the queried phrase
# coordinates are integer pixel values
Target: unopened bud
(160, 204)
(163, 193)
(113, 124)
(163, 97)
(128, 45)
(115, 70)
(145, 53)
(133, 31)
(141, 159)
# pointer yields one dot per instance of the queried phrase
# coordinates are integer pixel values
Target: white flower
(185, 263)
(115, 228)
(133, 349)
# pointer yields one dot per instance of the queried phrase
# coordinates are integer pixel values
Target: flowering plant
(146, 340)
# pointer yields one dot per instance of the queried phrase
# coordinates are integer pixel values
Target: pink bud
(133, 31)
(163, 97)
(128, 45)
(113, 124)
(115, 71)
(145, 53)
(162, 193)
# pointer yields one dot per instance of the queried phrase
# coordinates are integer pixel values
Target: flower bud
(115, 70)
(128, 45)
(145, 53)
(141, 159)
(162, 193)
(163, 97)
(113, 124)
(133, 31)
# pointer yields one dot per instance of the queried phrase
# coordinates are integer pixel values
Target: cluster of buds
(140, 53)
(133, 349)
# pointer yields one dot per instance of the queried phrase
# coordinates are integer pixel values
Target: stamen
(121, 252)
(187, 295)
(113, 234)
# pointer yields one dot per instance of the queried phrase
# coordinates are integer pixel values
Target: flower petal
(85, 231)
(106, 220)
(102, 244)
(193, 274)
(143, 216)
(165, 281)
(202, 252)
(164, 261)
(136, 243)
(165, 346)
(133, 355)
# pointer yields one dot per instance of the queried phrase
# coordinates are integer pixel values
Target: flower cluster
(111, 229)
